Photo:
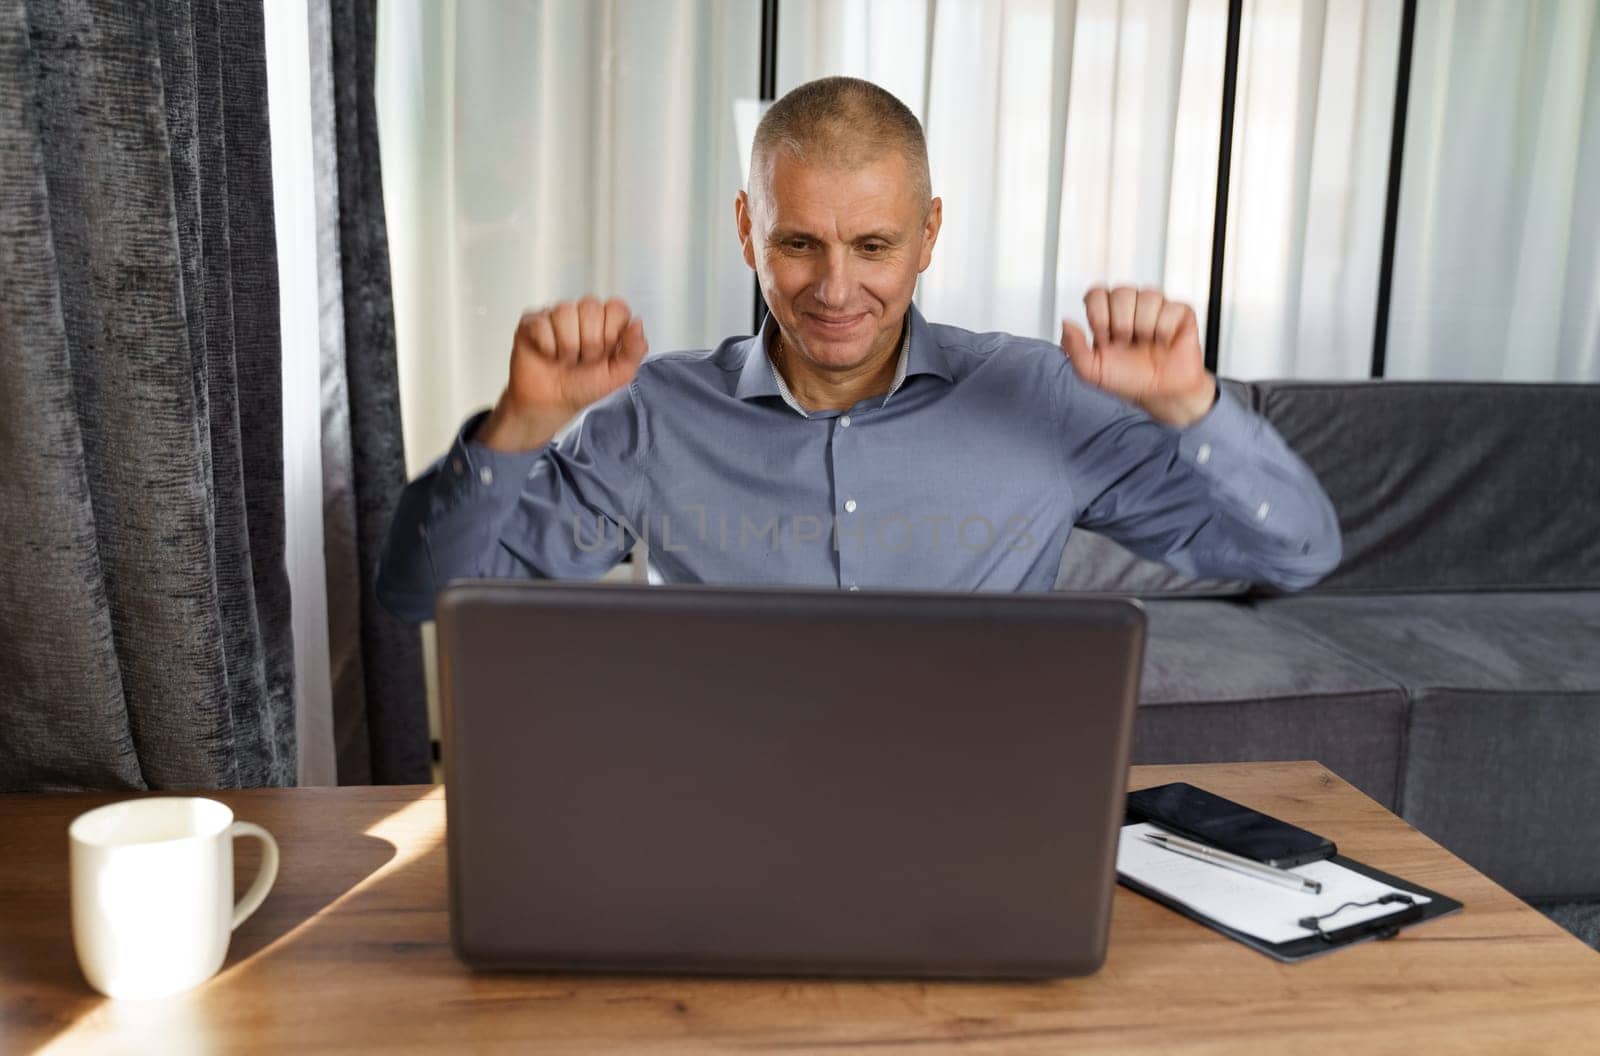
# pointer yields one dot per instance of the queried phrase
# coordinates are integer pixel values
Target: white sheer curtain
(537, 151)
(1497, 254)
(293, 79)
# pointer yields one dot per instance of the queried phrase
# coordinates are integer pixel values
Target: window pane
(1307, 187)
(536, 152)
(1497, 251)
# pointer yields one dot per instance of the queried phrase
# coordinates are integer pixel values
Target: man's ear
(930, 233)
(741, 220)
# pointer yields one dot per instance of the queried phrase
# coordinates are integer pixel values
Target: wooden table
(350, 952)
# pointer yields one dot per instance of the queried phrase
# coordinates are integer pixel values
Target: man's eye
(874, 247)
(796, 244)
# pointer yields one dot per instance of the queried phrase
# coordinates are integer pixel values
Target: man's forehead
(879, 195)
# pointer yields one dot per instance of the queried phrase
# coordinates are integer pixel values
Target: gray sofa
(1450, 667)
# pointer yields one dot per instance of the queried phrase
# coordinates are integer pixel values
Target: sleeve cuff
(1225, 426)
(473, 467)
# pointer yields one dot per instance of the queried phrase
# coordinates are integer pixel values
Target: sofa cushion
(1093, 564)
(1495, 642)
(1451, 486)
(1502, 760)
(1222, 685)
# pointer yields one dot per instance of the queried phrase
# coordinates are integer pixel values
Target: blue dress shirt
(967, 475)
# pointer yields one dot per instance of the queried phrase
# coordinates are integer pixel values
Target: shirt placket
(850, 507)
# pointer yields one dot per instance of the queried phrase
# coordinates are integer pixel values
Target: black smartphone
(1199, 815)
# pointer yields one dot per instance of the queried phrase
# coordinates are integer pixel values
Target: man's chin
(853, 343)
(837, 355)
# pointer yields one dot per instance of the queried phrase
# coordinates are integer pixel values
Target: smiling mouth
(844, 323)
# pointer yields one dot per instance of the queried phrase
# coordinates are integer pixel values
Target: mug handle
(264, 876)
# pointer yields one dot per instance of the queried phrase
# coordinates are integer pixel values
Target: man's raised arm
(505, 502)
(1196, 481)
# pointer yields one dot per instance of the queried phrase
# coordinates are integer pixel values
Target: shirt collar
(920, 353)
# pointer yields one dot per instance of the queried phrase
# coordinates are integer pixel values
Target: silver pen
(1259, 870)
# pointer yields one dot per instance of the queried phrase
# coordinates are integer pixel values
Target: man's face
(837, 253)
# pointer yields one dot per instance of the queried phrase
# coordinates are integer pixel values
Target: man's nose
(835, 286)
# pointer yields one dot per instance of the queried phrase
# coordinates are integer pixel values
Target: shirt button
(1262, 511)
(486, 475)
(844, 422)
(455, 464)
(854, 587)
(1203, 455)
(849, 505)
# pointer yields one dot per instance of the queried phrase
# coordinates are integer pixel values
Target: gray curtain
(380, 719)
(144, 605)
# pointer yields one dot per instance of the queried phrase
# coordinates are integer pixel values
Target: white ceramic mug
(152, 892)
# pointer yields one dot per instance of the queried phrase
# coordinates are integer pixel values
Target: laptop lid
(741, 780)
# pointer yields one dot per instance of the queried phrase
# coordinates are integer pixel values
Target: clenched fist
(1146, 351)
(563, 358)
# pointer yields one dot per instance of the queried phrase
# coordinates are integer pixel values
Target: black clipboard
(1384, 927)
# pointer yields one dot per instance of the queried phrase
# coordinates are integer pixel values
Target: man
(851, 443)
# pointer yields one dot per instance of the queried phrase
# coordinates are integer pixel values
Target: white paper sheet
(1243, 903)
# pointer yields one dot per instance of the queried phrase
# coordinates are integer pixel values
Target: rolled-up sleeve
(1224, 497)
(567, 510)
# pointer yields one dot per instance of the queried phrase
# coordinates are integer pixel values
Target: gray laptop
(733, 780)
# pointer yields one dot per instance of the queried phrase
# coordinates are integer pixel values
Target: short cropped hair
(844, 122)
